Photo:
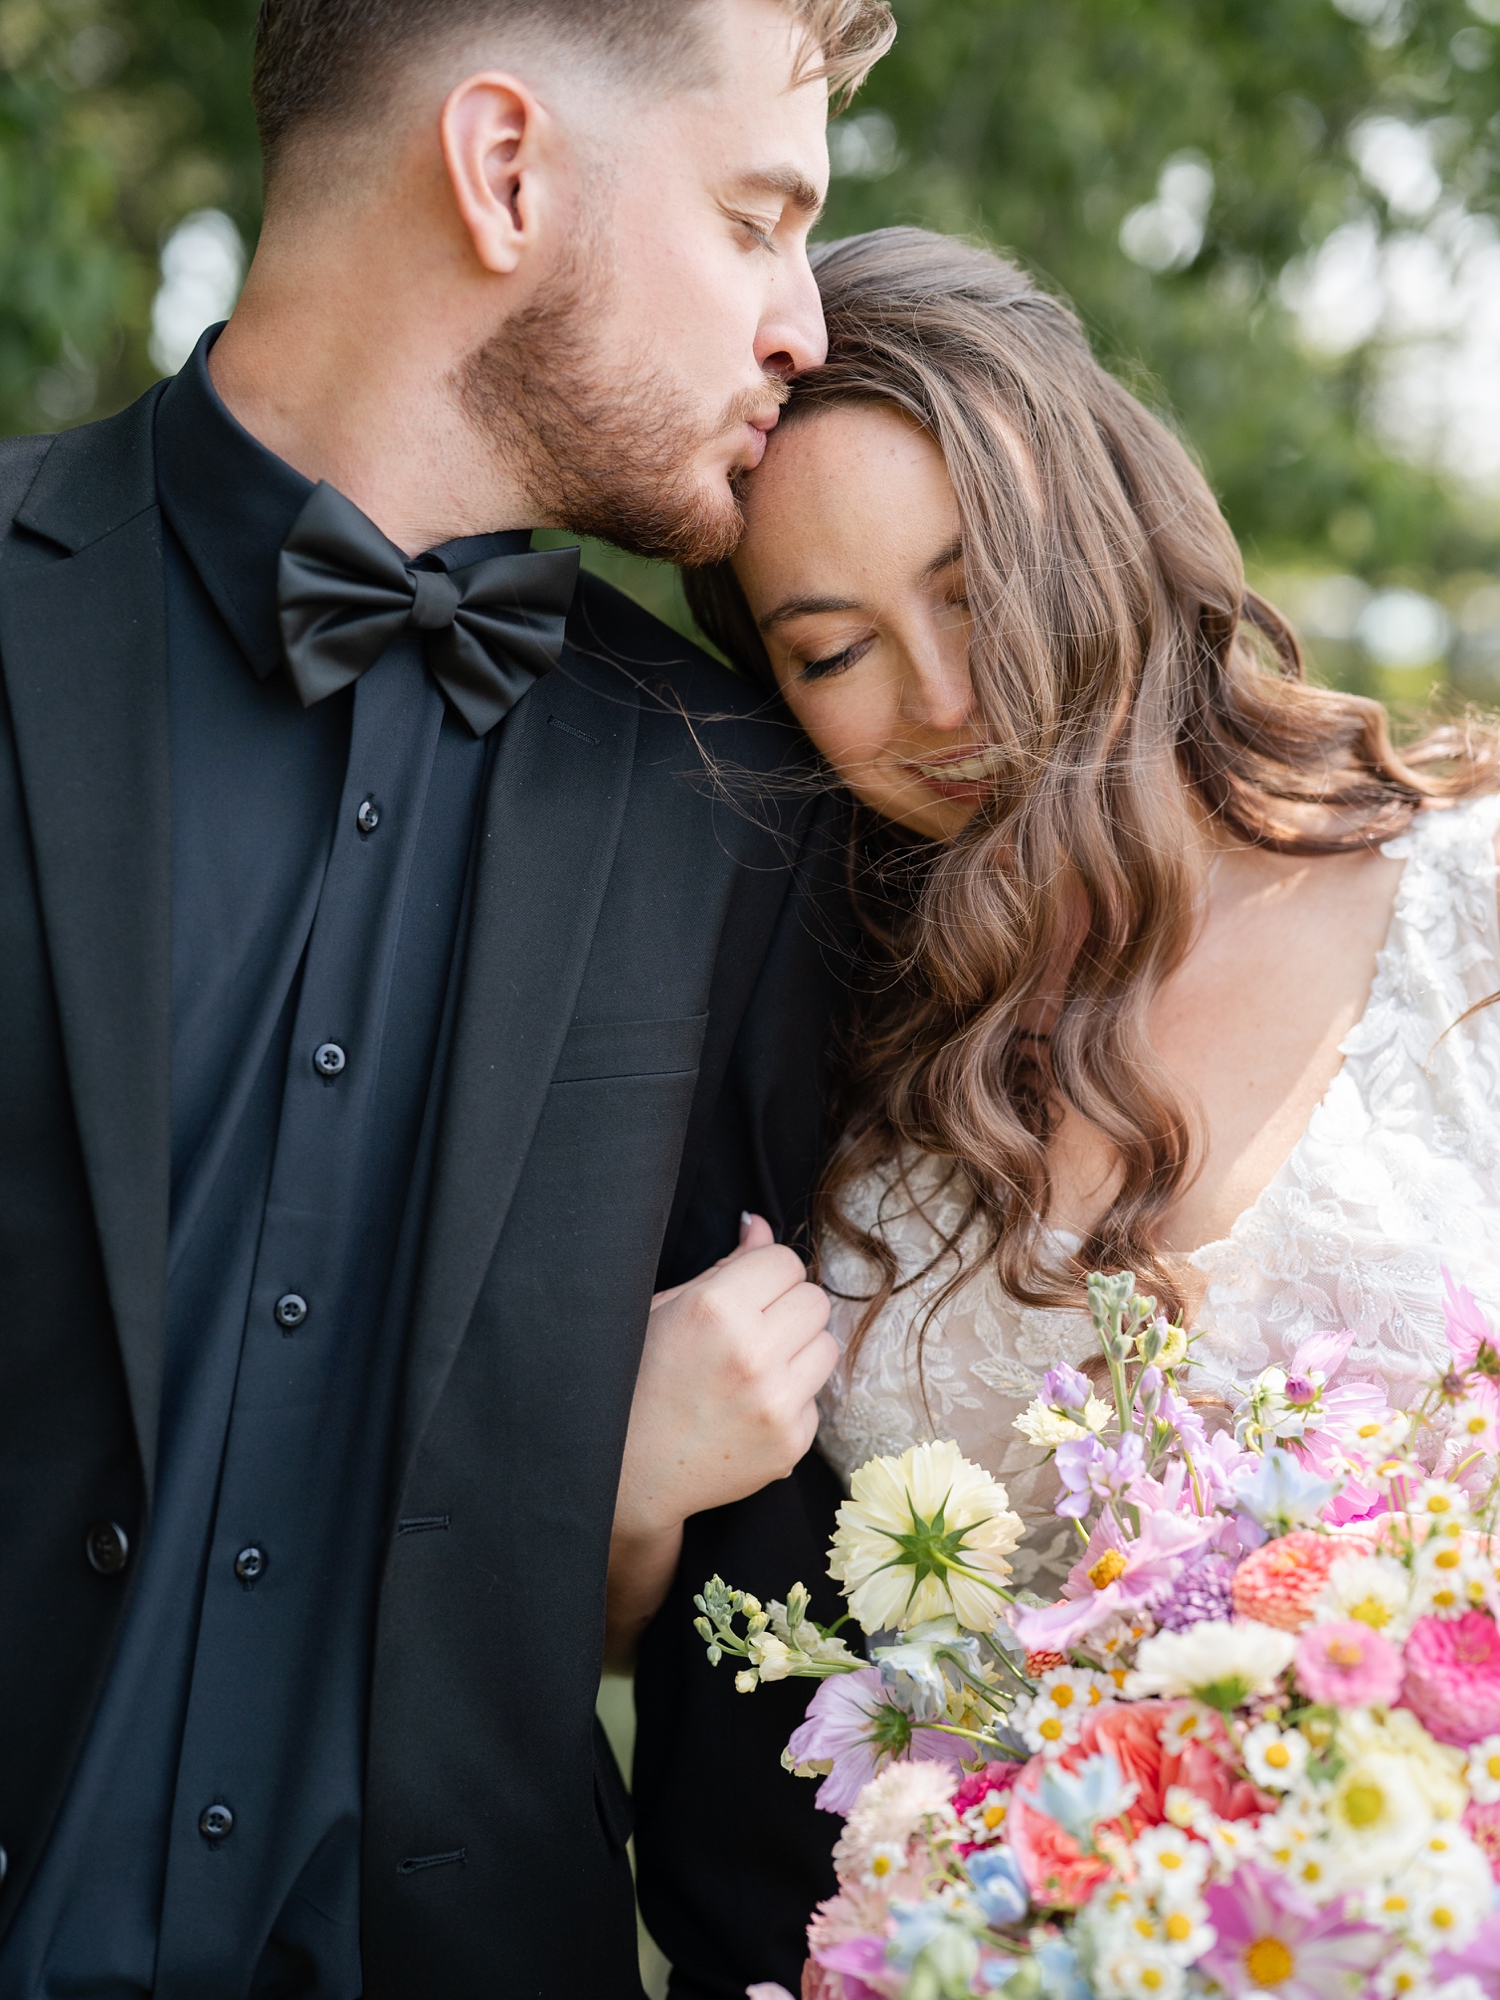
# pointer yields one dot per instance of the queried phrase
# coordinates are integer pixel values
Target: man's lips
(760, 427)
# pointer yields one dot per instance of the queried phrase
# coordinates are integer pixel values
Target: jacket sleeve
(731, 1851)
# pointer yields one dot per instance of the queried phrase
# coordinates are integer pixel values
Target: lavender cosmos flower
(853, 1729)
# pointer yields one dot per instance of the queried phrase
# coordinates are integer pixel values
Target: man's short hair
(327, 62)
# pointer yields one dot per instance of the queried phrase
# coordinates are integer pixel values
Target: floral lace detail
(1396, 1175)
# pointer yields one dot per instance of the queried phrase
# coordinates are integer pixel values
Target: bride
(1176, 964)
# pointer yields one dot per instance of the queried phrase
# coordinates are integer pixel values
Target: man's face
(644, 377)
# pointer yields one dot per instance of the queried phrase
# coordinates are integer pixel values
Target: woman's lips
(958, 774)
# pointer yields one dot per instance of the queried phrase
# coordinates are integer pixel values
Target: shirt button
(368, 817)
(291, 1309)
(107, 1547)
(328, 1059)
(250, 1563)
(215, 1821)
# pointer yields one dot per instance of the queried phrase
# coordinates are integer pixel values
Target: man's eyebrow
(804, 607)
(789, 182)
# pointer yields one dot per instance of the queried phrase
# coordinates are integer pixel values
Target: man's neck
(370, 407)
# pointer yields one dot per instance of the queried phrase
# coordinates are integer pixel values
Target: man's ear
(494, 137)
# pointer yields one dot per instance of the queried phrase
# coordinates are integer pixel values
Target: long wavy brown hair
(1134, 687)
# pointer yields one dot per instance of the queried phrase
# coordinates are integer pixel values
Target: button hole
(556, 722)
(422, 1524)
(414, 1862)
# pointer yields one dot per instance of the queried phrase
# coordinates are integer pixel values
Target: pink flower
(982, 1803)
(1348, 1665)
(1453, 1676)
(1482, 1825)
(1278, 1583)
(846, 1945)
(1111, 1576)
(1335, 1415)
(852, 1723)
(1272, 1941)
(1475, 1354)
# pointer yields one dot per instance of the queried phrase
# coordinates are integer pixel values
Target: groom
(385, 990)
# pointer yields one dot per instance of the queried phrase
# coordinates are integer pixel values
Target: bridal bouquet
(1253, 1750)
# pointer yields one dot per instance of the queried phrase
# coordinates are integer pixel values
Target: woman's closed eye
(834, 663)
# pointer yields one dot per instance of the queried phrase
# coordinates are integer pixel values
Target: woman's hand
(725, 1402)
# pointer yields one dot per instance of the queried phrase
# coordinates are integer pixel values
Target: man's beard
(600, 454)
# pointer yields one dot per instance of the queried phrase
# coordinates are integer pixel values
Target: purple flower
(1204, 1591)
(853, 1725)
(1092, 1471)
(1185, 1421)
(1065, 1389)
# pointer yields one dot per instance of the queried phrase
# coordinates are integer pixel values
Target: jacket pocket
(596, 1049)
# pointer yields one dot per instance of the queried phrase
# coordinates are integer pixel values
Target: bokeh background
(1280, 219)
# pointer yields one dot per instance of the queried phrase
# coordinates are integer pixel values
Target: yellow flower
(924, 1536)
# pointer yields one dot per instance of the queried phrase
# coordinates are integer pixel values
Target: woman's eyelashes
(834, 663)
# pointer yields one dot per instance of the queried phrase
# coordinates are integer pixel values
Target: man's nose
(791, 336)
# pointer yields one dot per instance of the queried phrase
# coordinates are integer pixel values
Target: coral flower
(1272, 1942)
(1055, 1866)
(1279, 1583)
(1348, 1665)
(1453, 1676)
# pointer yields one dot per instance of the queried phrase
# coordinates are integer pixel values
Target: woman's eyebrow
(945, 558)
(802, 607)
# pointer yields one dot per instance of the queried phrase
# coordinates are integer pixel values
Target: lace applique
(1397, 1174)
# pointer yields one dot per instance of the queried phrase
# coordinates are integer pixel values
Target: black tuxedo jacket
(645, 1009)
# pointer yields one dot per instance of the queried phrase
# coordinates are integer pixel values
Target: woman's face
(852, 566)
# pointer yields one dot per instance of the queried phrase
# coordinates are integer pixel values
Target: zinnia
(1279, 1583)
(1348, 1665)
(1453, 1676)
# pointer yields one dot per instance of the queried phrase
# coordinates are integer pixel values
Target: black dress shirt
(209, 1846)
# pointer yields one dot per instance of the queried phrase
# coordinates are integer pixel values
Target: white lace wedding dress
(1396, 1175)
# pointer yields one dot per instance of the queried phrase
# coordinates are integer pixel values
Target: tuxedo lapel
(83, 650)
(552, 817)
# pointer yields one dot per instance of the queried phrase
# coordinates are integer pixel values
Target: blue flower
(931, 1935)
(999, 1886)
(915, 1672)
(1281, 1494)
(1078, 1800)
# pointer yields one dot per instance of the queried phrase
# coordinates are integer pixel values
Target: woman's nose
(939, 693)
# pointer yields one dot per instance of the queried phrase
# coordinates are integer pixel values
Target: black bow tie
(344, 592)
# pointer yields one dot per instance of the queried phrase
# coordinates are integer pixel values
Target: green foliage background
(1036, 124)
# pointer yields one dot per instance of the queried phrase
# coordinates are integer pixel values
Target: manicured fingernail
(744, 1219)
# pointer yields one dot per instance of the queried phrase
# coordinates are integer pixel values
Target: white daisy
(1171, 1864)
(1483, 1770)
(1275, 1757)
(1376, 1590)
(1439, 1500)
